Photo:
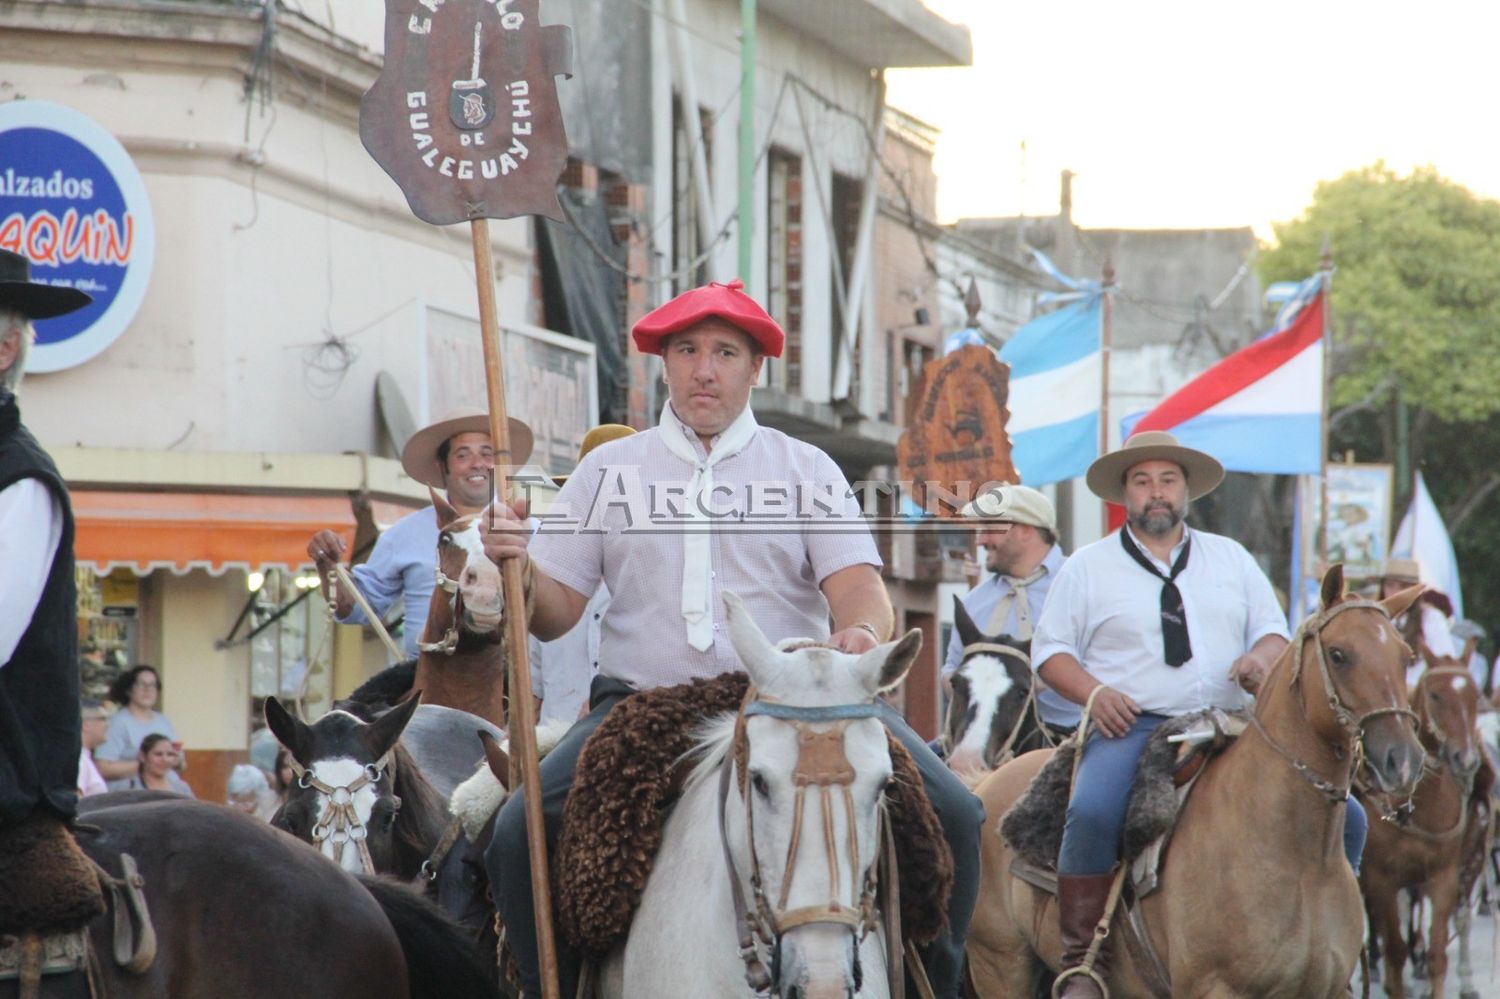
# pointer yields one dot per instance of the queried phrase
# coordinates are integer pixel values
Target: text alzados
(13, 185)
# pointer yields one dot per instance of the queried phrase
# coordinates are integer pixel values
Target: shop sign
(73, 202)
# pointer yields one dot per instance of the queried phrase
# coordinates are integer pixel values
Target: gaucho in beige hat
(602, 434)
(1106, 476)
(425, 454)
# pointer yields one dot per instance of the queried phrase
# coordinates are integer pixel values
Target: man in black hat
(49, 885)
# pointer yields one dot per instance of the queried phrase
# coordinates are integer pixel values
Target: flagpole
(1104, 323)
(1326, 269)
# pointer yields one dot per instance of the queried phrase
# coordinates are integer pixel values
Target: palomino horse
(358, 795)
(1423, 844)
(240, 910)
(1256, 898)
(462, 662)
(736, 835)
(992, 715)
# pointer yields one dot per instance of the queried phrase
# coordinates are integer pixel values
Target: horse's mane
(714, 738)
(422, 815)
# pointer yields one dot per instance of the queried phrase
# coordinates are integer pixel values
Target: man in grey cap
(453, 454)
(1017, 526)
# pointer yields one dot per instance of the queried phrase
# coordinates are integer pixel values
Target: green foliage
(1416, 290)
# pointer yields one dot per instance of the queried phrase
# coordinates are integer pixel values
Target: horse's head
(812, 760)
(469, 601)
(1446, 700)
(989, 714)
(344, 800)
(1353, 653)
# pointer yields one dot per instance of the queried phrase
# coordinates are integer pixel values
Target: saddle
(1170, 765)
(53, 891)
(629, 773)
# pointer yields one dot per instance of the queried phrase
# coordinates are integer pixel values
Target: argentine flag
(1055, 375)
(1261, 408)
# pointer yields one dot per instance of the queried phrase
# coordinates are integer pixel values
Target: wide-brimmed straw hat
(34, 299)
(602, 434)
(1401, 570)
(1106, 476)
(420, 456)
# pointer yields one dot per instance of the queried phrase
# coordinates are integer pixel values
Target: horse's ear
(495, 757)
(1333, 585)
(968, 631)
(898, 658)
(760, 658)
(291, 732)
(1468, 652)
(1429, 657)
(446, 514)
(382, 733)
(1399, 603)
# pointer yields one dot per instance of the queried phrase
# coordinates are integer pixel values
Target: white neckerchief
(1016, 596)
(697, 558)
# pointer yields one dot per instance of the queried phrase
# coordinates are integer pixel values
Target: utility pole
(747, 137)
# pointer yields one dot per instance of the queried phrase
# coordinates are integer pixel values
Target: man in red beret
(707, 462)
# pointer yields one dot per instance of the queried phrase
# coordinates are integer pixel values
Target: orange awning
(212, 531)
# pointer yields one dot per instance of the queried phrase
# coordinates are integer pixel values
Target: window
(687, 242)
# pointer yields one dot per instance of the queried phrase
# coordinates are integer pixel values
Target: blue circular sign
(72, 201)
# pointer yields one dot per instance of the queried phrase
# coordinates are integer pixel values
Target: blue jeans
(1096, 812)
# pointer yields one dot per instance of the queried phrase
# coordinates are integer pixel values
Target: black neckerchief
(1177, 649)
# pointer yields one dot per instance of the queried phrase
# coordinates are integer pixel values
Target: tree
(1416, 306)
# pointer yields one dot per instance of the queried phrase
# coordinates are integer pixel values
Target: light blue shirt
(981, 602)
(401, 564)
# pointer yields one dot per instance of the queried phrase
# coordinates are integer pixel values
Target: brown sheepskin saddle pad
(46, 882)
(1033, 827)
(628, 774)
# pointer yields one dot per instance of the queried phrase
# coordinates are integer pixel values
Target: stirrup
(1079, 969)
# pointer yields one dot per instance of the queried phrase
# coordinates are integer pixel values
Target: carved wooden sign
(464, 116)
(955, 440)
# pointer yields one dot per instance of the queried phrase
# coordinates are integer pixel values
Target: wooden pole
(1326, 269)
(1104, 321)
(520, 723)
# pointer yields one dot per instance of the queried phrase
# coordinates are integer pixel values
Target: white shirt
(569, 663)
(1104, 610)
(783, 520)
(1437, 636)
(31, 524)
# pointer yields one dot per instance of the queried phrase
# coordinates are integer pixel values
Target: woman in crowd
(154, 768)
(137, 691)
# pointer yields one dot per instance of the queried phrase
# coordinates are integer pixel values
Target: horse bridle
(1030, 707)
(1401, 815)
(340, 823)
(821, 763)
(1353, 725)
(449, 641)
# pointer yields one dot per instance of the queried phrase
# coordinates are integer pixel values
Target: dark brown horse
(1256, 898)
(1422, 844)
(993, 714)
(358, 795)
(242, 910)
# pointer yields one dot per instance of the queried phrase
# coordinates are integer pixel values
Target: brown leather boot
(1080, 906)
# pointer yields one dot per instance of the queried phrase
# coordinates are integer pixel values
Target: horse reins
(340, 823)
(1353, 725)
(821, 763)
(448, 644)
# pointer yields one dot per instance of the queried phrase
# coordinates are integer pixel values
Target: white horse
(803, 815)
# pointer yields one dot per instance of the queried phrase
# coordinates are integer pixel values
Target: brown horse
(1423, 844)
(1256, 898)
(242, 910)
(462, 659)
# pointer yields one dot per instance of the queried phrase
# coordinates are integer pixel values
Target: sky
(1177, 114)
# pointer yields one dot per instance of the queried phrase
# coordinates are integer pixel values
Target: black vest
(40, 727)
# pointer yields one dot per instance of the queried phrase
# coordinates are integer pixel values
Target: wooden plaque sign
(955, 437)
(464, 116)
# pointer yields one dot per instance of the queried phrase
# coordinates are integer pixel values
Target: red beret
(715, 300)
